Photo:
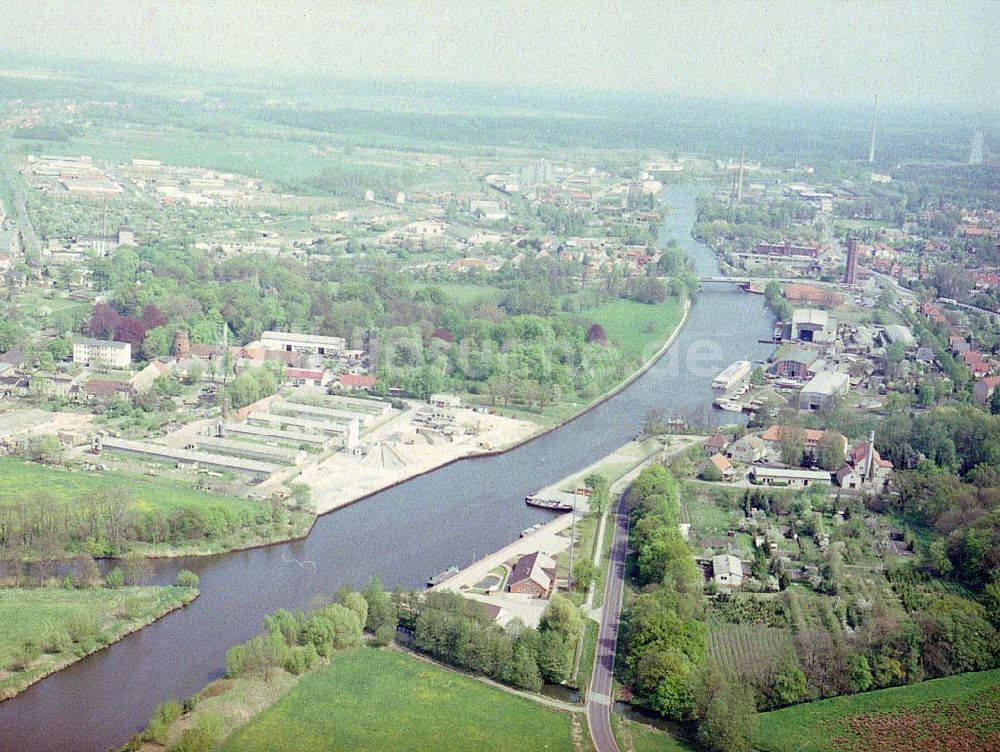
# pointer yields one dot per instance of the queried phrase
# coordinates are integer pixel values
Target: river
(403, 535)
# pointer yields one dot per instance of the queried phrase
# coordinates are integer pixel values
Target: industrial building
(307, 343)
(820, 393)
(813, 325)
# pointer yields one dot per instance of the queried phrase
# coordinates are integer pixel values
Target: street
(599, 696)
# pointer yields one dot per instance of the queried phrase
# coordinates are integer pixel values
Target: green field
(637, 737)
(229, 521)
(78, 621)
(637, 328)
(957, 713)
(379, 699)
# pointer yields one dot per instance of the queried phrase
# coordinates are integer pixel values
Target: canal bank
(402, 535)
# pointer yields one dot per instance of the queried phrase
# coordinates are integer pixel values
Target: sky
(915, 52)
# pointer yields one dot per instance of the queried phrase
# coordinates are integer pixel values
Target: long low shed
(358, 404)
(295, 408)
(188, 457)
(264, 433)
(251, 450)
(323, 426)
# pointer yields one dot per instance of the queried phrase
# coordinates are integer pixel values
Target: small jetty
(442, 576)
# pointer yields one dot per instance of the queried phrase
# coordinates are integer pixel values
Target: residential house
(983, 389)
(747, 449)
(811, 439)
(724, 466)
(849, 479)
(102, 351)
(354, 381)
(716, 444)
(534, 574)
(727, 571)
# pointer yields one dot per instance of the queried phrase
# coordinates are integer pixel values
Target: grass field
(80, 621)
(637, 328)
(637, 737)
(23, 480)
(957, 713)
(371, 699)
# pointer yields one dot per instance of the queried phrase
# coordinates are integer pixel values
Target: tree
(357, 603)
(995, 402)
(793, 444)
(859, 673)
(729, 720)
(710, 473)
(596, 334)
(522, 670)
(585, 572)
(186, 578)
(136, 570)
(830, 451)
(789, 684)
(554, 655)
(563, 617)
(381, 610)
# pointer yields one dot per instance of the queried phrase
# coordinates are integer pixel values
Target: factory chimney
(871, 146)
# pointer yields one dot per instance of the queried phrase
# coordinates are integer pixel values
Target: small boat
(442, 576)
(529, 530)
(556, 506)
(728, 406)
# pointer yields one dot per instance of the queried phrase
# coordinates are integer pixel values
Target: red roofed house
(534, 575)
(811, 438)
(356, 381)
(984, 389)
(724, 466)
(306, 377)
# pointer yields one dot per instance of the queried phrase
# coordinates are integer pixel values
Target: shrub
(300, 660)
(81, 627)
(164, 715)
(186, 578)
(56, 641)
(208, 731)
(24, 655)
(115, 578)
(384, 635)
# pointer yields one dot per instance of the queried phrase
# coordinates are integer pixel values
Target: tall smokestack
(871, 146)
(739, 179)
(870, 459)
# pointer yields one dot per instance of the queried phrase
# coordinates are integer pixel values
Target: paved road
(599, 696)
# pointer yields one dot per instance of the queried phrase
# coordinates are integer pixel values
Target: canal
(402, 535)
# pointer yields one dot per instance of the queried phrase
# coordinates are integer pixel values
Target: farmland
(956, 713)
(740, 648)
(344, 706)
(45, 629)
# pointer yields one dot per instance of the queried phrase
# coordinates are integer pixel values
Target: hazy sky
(939, 52)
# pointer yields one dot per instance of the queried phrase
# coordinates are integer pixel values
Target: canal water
(403, 535)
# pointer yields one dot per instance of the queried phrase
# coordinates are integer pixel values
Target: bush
(164, 715)
(56, 641)
(115, 578)
(24, 655)
(384, 635)
(186, 578)
(300, 660)
(207, 733)
(710, 473)
(81, 627)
